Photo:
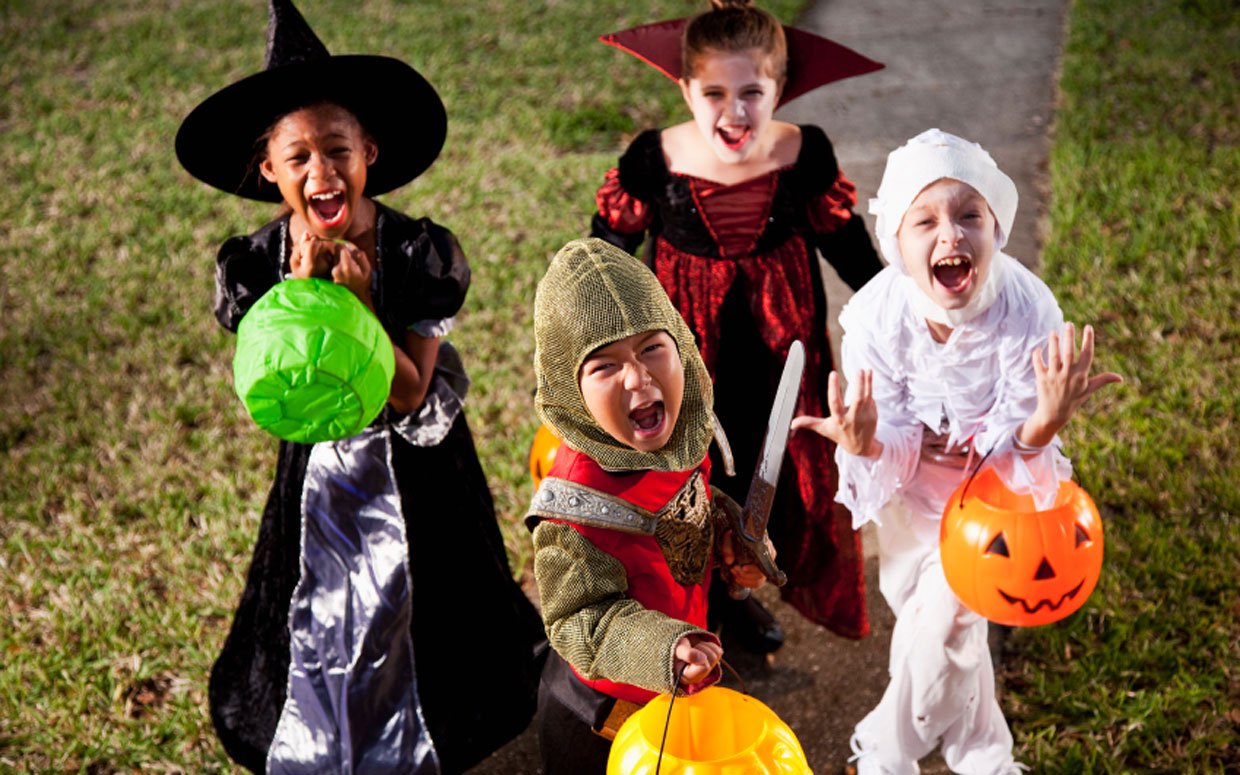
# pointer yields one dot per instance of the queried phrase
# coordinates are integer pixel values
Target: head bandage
(931, 156)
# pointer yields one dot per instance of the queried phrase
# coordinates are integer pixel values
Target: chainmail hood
(592, 295)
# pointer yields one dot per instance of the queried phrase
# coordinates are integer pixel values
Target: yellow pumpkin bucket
(717, 730)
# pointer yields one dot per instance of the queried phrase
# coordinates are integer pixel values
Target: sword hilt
(747, 548)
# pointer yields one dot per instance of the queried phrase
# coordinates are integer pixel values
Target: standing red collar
(813, 60)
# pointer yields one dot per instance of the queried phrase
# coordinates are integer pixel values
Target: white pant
(942, 681)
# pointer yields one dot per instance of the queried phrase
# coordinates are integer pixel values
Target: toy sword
(749, 525)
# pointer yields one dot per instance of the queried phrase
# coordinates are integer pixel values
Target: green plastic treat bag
(312, 363)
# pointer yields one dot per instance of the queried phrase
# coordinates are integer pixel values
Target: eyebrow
(753, 85)
(329, 136)
(600, 352)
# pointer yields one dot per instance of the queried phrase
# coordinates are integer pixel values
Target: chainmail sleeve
(591, 621)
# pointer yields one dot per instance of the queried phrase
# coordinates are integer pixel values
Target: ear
(266, 169)
(371, 151)
(684, 92)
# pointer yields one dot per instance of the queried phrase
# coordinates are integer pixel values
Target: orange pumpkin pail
(1014, 564)
(542, 453)
(717, 730)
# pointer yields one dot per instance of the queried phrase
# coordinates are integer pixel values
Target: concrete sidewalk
(982, 69)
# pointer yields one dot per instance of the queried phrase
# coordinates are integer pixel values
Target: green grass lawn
(1144, 220)
(131, 480)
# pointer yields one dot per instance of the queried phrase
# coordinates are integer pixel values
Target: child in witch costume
(379, 579)
(736, 204)
(944, 355)
(624, 522)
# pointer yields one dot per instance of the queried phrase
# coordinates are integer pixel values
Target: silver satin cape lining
(352, 702)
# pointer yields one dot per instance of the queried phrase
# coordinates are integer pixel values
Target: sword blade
(766, 474)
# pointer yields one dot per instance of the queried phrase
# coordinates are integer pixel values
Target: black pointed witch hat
(218, 141)
(813, 60)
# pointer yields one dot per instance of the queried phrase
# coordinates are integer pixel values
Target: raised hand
(1063, 383)
(852, 427)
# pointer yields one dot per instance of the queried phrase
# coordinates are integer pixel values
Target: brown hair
(733, 26)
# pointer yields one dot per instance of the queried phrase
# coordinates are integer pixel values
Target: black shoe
(749, 625)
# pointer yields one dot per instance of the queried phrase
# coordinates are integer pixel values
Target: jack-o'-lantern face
(1013, 564)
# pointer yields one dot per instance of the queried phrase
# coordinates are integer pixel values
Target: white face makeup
(733, 101)
(947, 242)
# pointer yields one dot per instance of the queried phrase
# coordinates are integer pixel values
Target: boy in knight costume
(624, 525)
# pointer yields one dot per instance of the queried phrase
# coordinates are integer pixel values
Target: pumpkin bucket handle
(969, 481)
(667, 723)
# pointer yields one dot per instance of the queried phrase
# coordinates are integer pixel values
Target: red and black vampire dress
(738, 263)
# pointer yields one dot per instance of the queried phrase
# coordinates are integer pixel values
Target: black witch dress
(380, 629)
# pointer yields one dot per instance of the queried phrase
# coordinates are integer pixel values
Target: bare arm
(415, 367)
(415, 357)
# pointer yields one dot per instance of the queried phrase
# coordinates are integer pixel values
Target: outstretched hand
(851, 427)
(699, 654)
(1063, 383)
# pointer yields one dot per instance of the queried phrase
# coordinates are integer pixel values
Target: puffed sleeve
(622, 219)
(243, 273)
(593, 623)
(427, 285)
(840, 234)
(625, 200)
(866, 485)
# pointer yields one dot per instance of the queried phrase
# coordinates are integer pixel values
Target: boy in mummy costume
(954, 351)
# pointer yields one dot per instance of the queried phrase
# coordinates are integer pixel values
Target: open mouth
(734, 137)
(328, 207)
(648, 420)
(1043, 603)
(954, 273)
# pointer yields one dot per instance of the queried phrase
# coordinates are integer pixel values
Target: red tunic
(649, 579)
(739, 263)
